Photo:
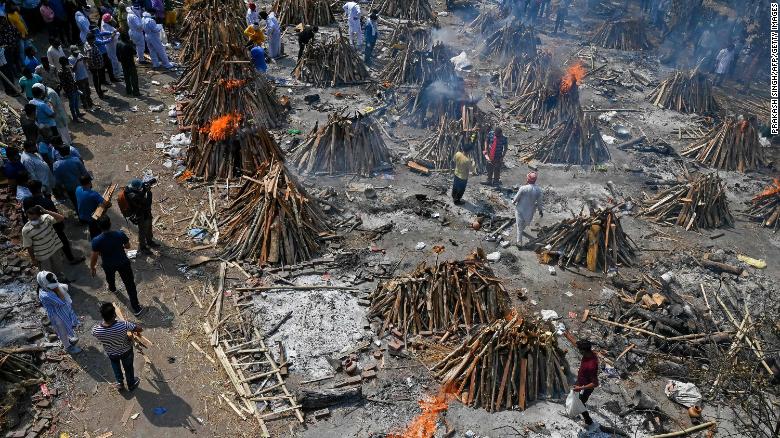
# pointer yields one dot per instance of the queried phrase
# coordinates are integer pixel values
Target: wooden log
(311, 399)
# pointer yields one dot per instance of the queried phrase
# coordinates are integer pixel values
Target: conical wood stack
(765, 207)
(308, 12)
(227, 147)
(576, 141)
(211, 23)
(409, 34)
(434, 101)
(553, 97)
(731, 145)
(332, 63)
(272, 220)
(686, 92)
(627, 35)
(694, 204)
(488, 20)
(345, 145)
(596, 242)
(524, 75)
(444, 297)
(415, 10)
(511, 40)
(440, 147)
(508, 363)
(412, 66)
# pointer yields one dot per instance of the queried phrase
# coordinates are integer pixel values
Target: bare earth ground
(187, 385)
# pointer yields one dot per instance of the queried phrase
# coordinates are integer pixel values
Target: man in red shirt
(587, 376)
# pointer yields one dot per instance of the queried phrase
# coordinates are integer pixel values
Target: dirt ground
(118, 143)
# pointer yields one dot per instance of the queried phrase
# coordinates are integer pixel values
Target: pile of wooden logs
(629, 34)
(272, 220)
(488, 20)
(523, 75)
(513, 39)
(686, 92)
(698, 203)
(413, 66)
(436, 100)
(508, 363)
(344, 145)
(415, 10)
(308, 12)
(331, 63)
(211, 23)
(452, 135)
(408, 34)
(546, 105)
(575, 141)
(450, 296)
(15, 367)
(596, 242)
(241, 151)
(765, 207)
(731, 145)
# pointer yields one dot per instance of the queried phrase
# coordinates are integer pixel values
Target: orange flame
(574, 75)
(231, 84)
(424, 426)
(770, 191)
(222, 127)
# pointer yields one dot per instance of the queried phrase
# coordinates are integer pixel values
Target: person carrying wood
(526, 201)
(587, 377)
(113, 334)
(495, 148)
(463, 167)
(139, 199)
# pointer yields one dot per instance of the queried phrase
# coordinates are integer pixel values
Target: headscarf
(106, 18)
(531, 178)
(47, 280)
(252, 6)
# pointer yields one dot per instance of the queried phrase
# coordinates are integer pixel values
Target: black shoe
(153, 244)
(140, 311)
(145, 250)
(132, 386)
(459, 202)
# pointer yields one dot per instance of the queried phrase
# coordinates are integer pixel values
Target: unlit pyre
(698, 203)
(575, 141)
(686, 92)
(731, 145)
(628, 34)
(331, 63)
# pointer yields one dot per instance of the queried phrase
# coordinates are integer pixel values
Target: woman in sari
(54, 297)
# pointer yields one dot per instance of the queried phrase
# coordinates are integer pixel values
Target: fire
(573, 75)
(770, 191)
(231, 84)
(222, 127)
(424, 426)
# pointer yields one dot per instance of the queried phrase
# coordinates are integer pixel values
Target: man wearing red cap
(527, 199)
(252, 16)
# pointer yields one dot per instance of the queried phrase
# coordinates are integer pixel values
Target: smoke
(446, 36)
(444, 90)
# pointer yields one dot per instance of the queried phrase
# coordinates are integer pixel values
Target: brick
(322, 413)
(395, 345)
(368, 374)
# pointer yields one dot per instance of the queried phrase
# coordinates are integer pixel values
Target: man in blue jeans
(110, 247)
(112, 333)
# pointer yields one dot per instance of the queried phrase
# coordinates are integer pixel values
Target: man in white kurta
(352, 12)
(527, 200)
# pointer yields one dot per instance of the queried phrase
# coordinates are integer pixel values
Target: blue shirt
(46, 151)
(44, 114)
(31, 62)
(111, 246)
(88, 201)
(68, 172)
(258, 58)
(73, 153)
(12, 170)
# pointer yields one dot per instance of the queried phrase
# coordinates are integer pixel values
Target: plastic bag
(574, 406)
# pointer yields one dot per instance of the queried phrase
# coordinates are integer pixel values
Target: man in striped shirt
(112, 333)
(42, 242)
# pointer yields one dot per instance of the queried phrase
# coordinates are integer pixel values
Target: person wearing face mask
(54, 297)
(41, 241)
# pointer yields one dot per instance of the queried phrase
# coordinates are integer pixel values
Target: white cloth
(83, 23)
(686, 394)
(54, 54)
(723, 60)
(527, 200)
(252, 17)
(156, 48)
(274, 34)
(136, 31)
(111, 47)
(60, 115)
(352, 12)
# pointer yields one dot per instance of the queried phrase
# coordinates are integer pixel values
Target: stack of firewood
(440, 298)
(512, 39)
(408, 34)
(412, 66)
(627, 34)
(272, 220)
(731, 145)
(440, 147)
(596, 242)
(331, 63)
(523, 75)
(415, 10)
(308, 12)
(228, 147)
(686, 92)
(507, 364)
(488, 20)
(344, 145)
(574, 141)
(551, 98)
(698, 203)
(765, 207)
(436, 100)
(211, 23)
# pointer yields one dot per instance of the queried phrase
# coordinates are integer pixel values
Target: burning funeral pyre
(765, 207)
(415, 10)
(436, 100)
(628, 34)
(508, 363)
(575, 141)
(438, 150)
(550, 100)
(440, 298)
(272, 220)
(351, 145)
(331, 63)
(731, 145)
(513, 39)
(698, 203)
(413, 66)
(686, 92)
(523, 75)
(308, 12)
(596, 242)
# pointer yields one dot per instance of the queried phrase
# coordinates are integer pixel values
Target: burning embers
(765, 207)
(573, 76)
(222, 127)
(425, 424)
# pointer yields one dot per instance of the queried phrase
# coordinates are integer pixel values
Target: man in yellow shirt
(255, 34)
(463, 167)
